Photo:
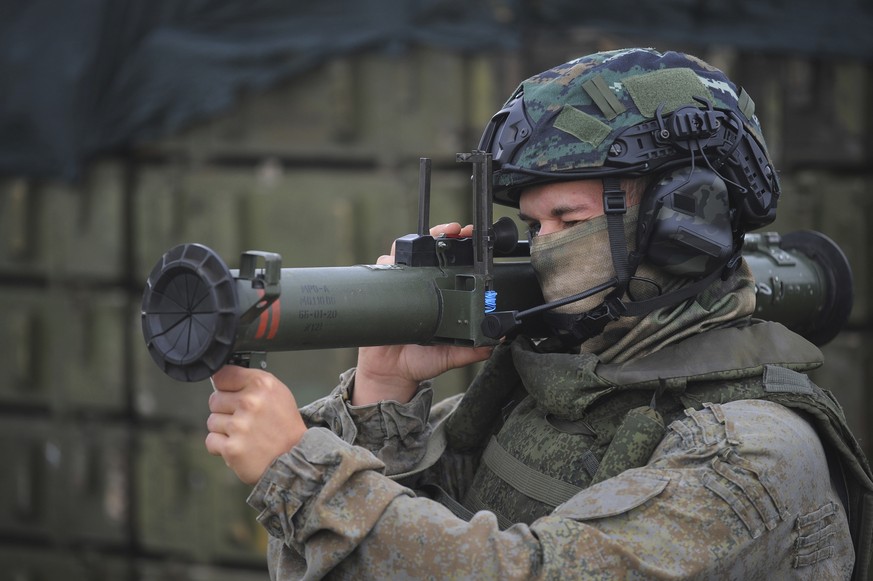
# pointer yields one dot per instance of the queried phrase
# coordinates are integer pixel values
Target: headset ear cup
(685, 223)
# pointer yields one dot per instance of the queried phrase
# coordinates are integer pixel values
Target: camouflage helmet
(633, 112)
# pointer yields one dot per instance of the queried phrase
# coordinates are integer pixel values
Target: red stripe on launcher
(274, 324)
(262, 320)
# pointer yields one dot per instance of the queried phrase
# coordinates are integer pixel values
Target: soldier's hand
(254, 420)
(394, 372)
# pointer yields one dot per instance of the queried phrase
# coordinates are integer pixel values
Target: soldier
(660, 432)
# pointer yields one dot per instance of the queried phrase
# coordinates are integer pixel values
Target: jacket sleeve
(720, 498)
(331, 512)
(397, 434)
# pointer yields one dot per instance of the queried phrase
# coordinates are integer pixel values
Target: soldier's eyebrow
(556, 212)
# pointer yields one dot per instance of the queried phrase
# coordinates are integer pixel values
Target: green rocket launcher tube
(198, 314)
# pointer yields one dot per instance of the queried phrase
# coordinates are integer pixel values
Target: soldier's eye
(533, 229)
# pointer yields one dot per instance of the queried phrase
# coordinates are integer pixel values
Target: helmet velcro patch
(582, 126)
(674, 88)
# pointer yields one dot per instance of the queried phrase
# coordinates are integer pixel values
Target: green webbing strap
(782, 380)
(605, 99)
(475, 503)
(525, 479)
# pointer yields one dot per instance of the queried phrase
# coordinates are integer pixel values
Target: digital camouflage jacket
(703, 460)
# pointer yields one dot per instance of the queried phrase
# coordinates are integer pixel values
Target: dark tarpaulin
(78, 77)
(828, 28)
(83, 76)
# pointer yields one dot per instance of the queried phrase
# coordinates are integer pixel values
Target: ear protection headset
(684, 223)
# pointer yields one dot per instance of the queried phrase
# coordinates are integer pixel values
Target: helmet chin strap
(615, 207)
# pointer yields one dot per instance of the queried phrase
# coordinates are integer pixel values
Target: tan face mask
(570, 261)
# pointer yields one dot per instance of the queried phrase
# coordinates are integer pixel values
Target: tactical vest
(549, 425)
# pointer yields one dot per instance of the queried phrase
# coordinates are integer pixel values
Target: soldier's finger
(223, 402)
(215, 443)
(218, 423)
(450, 229)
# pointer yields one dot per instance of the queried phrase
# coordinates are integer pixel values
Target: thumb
(463, 356)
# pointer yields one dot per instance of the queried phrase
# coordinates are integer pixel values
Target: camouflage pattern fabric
(720, 304)
(727, 493)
